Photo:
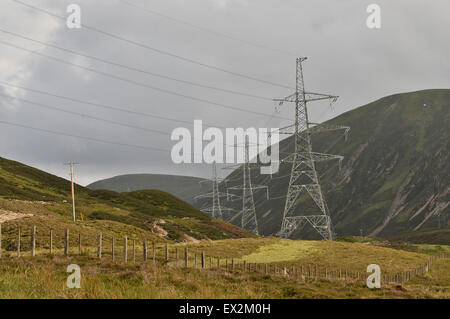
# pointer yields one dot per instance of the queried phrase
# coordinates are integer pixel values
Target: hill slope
(395, 175)
(25, 190)
(183, 187)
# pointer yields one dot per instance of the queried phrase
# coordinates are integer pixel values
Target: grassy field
(45, 276)
(41, 278)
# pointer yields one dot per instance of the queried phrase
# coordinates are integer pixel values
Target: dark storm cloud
(409, 52)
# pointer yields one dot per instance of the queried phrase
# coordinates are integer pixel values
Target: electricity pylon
(304, 178)
(216, 210)
(249, 220)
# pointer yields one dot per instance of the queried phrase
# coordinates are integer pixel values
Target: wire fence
(127, 250)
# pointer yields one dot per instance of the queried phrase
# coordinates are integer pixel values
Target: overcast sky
(410, 52)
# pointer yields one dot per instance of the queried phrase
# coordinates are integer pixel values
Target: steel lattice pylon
(249, 220)
(304, 178)
(216, 210)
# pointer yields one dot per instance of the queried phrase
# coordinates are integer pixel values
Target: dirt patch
(158, 230)
(6, 215)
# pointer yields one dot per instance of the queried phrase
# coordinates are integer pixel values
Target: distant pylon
(304, 178)
(216, 210)
(249, 220)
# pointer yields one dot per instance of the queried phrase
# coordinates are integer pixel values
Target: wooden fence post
(51, 241)
(153, 252)
(176, 256)
(112, 249)
(18, 244)
(186, 257)
(125, 249)
(245, 265)
(218, 262)
(144, 245)
(210, 262)
(33, 242)
(134, 250)
(203, 260)
(99, 250)
(195, 260)
(265, 269)
(79, 244)
(66, 242)
(232, 264)
(167, 253)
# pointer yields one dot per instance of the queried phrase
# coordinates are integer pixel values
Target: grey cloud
(346, 58)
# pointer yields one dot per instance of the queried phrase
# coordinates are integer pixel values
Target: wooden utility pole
(71, 164)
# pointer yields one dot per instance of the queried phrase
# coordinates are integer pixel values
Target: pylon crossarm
(322, 157)
(316, 128)
(210, 195)
(309, 97)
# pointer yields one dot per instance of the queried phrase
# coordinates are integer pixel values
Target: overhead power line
(134, 68)
(221, 105)
(96, 118)
(83, 115)
(108, 107)
(204, 29)
(156, 50)
(93, 139)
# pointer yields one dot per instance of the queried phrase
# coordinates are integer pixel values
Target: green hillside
(394, 177)
(433, 236)
(183, 187)
(157, 214)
